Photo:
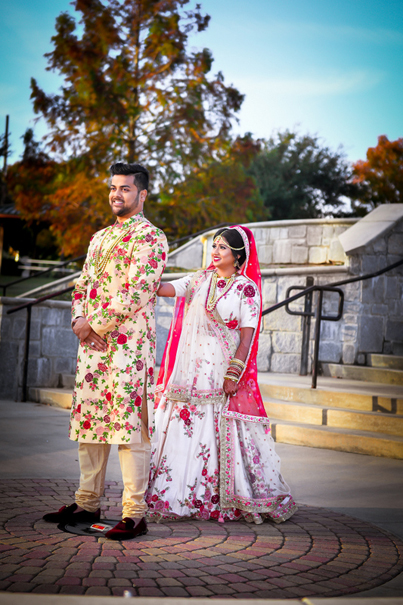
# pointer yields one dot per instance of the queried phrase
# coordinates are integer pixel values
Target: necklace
(212, 298)
(100, 264)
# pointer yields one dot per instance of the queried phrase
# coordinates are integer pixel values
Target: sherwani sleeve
(80, 292)
(142, 281)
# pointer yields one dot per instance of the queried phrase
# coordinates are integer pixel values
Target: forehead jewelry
(219, 239)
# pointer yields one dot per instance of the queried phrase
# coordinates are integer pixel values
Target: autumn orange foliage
(381, 175)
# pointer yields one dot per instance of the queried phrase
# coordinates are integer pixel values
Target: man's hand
(86, 334)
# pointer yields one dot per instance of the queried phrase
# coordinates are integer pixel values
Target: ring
(93, 344)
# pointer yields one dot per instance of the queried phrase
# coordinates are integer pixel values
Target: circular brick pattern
(317, 552)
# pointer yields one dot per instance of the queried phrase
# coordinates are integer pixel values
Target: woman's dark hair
(234, 238)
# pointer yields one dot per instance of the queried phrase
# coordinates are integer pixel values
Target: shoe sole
(117, 538)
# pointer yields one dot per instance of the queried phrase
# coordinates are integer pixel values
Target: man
(113, 316)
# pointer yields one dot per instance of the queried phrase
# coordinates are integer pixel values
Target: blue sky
(334, 69)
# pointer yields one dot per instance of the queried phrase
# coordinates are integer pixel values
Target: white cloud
(313, 85)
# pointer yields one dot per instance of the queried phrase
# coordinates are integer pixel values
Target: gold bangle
(237, 362)
(230, 378)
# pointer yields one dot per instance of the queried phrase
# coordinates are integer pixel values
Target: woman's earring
(236, 264)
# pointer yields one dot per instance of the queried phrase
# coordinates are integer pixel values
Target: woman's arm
(231, 387)
(166, 290)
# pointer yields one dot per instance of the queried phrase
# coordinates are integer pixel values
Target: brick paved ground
(317, 553)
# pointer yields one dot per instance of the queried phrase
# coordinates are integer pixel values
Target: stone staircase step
(363, 373)
(372, 399)
(392, 362)
(67, 381)
(342, 440)
(302, 413)
(61, 398)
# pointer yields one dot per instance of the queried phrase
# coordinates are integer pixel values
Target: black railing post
(318, 317)
(306, 329)
(26, 354)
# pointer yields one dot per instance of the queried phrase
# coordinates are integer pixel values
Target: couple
(212, 455)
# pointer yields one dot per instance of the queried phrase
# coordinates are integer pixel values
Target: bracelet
(226, 377)
(237, 362)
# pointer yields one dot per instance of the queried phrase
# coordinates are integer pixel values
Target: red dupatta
(248, 400)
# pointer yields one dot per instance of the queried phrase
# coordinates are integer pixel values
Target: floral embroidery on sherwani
(113, 388)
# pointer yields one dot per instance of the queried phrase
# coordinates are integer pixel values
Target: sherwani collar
(130, 222)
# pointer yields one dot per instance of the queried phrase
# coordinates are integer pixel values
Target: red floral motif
(187, 421)
(129, 409)
(127, 285)
(139, 365)
(163, 256)
(93, 293)
(77, 296)
(115, 334)
(122, 339)
(232, 325)
(148, 237)
(153, 263)
(215, 514)
(138, 400)
(117, 426)
(151, 371)
(198, 503)
(86, 425)
(221, 283)
(154, 498)
(108, 396)
(184, 414)
(89, 377)
(107, 419)
(102, 367)
(240, 287)
(105, 305)
(79, 408)
(204, 472)
(127, 238)
(249, 291)
(215, 499)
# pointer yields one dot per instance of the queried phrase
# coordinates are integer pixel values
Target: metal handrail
(40, 273)
(318, 313)
(82, 257)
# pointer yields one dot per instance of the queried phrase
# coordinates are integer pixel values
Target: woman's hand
(230, 387)
(166, 290)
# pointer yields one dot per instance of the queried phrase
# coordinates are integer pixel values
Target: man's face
(124, 197)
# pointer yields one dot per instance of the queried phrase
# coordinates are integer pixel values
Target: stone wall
(378, 311)
(52, 351)
(298, 242)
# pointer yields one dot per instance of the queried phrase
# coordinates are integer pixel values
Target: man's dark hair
(234, 238)
(140, 174)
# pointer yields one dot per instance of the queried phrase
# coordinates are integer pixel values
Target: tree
(131, 91)
(297, 178)
(380, 176)
(30, 180)
(218, 191)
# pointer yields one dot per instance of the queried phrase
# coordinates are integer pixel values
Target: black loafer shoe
(125, 530)
(66, 514)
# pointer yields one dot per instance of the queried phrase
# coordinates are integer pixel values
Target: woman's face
(222, 256)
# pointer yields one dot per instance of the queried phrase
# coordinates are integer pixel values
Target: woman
(212, 452)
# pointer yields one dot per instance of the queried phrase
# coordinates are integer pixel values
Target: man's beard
(125, 210)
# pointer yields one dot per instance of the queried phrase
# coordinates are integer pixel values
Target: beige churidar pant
(134, 461)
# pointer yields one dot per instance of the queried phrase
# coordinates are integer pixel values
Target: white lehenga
(207, 462)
